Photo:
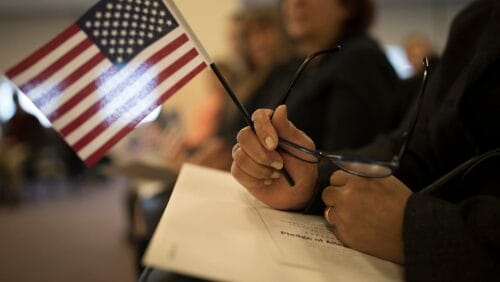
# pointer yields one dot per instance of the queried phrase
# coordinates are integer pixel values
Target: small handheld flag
(100, 77)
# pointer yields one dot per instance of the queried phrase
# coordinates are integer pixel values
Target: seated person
(446, 231)
(267, 51)
(346, 98)
(21, 142)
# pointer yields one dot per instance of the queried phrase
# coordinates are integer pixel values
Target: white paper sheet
(213, 228)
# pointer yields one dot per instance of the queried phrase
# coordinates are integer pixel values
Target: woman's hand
(367, 214)
(256, 162)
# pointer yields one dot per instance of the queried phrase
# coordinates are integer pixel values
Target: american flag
(100, 77)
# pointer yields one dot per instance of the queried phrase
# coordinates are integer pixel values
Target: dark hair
(362, 15)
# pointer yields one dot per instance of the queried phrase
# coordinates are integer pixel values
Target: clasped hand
(366, 214)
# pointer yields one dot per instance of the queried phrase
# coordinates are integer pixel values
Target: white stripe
(110, 83)
(50, 58)
(122, 98)
(62, 73)
(76, 87)
(130, 115)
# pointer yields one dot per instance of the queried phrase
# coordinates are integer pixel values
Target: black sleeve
(345, 121)
(315, 205)
(452, 242)
(361, 103)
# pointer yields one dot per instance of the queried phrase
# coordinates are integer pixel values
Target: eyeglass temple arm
(420, 99)
(300, 70)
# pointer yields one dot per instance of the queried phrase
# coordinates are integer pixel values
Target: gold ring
(327, 214)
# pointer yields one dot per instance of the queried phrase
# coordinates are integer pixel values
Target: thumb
(287, 130)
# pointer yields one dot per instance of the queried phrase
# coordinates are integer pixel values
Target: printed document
(213, 228)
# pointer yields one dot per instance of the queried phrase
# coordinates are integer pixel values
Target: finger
(330, 196)
(250, 143)
(339, 237)
(253, 169)
(339, 178)
(264, 129)
(287, 130)
(248, 181)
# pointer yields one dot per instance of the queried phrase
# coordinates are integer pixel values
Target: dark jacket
(348, 98)
(452, 232)
(342, 102)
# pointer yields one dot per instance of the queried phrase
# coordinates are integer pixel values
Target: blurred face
(416, 50)
(233, 31)
(314, 19)
(263, 42)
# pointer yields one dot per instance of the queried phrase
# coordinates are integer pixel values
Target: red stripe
(43, 51)
(94, 157)
(61, 62)
(87, 90)
(152, 84)
(89, 112)
(69, 80)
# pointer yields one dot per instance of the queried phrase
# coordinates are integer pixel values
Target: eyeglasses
(355, 165)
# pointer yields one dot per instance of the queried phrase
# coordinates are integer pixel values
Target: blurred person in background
(236, 61)
(270, 60)
(23, 128)
(31, 153)
(22, 140)
(346, 98)
(209, 113)
(266, 52)
(343, 100)
(200, 141)
(417, 46)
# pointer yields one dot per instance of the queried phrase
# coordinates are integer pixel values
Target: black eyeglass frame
(388, 167)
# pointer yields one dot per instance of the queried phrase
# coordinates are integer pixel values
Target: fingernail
(268, 182)
(269, 143)
(277, 165)
(276, 175)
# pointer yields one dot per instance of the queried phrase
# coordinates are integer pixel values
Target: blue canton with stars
(123, 28)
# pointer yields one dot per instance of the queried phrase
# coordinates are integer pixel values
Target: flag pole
(231, 94)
